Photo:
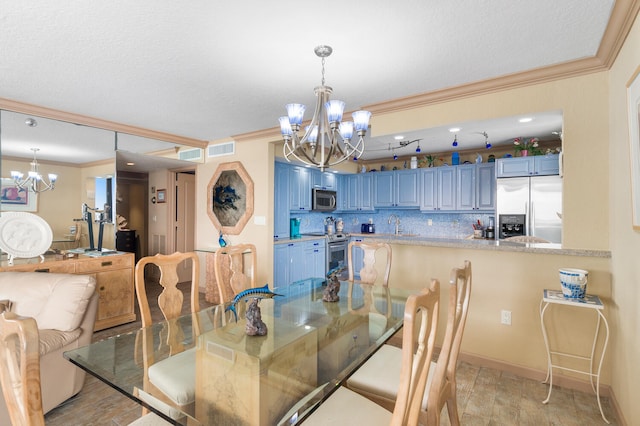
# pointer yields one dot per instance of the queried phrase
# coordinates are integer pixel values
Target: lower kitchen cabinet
(357, 259)
(114, 282)
(294, 261)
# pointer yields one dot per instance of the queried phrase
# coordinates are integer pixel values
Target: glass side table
(590, 301)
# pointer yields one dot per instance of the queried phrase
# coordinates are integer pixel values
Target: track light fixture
(487, 145)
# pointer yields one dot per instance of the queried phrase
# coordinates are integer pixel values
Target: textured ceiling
(209, 70)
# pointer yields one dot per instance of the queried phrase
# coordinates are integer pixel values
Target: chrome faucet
(397, 232)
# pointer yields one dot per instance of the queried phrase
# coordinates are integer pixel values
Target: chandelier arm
(358, 150)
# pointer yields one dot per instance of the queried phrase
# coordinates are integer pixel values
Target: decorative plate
(24, 234)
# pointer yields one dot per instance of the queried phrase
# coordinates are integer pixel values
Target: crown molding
(622, 18)
(54, 114)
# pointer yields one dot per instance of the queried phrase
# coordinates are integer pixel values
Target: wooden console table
(114, 281)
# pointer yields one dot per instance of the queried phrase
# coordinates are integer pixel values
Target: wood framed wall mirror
(94, 166)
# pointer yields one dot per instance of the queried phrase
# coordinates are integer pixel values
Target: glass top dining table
(311, 347)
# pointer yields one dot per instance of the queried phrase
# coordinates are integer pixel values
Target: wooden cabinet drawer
(105, 263)
(62, 267)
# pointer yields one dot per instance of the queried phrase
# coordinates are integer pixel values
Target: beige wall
(257, 157)
(60, 206)
(583, 101)
(625, 242)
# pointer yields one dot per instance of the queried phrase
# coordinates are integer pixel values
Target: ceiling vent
(218, 150)
(190, 154)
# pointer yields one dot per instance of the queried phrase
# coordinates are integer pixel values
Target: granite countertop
(474, 244)
(297, 240)
(484, 244)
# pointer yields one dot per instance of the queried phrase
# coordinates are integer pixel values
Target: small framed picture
(162, 195)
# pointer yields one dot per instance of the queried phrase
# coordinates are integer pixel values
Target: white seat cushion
(345, 407)
(176, 376)
(380, 375)
(150, 419)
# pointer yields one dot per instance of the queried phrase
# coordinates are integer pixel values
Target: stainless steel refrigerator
(539, 199)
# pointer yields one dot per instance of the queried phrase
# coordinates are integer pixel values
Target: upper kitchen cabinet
(438, 189)
(475, 187)
(539, 165)
(398, 188)
(324, 180)
(359, 190)
(299, 189)
(281, 201)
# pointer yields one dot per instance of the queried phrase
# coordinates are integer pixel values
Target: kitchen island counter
(483, 244)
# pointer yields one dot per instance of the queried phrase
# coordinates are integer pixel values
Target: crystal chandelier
(327, 139)
(34, 182)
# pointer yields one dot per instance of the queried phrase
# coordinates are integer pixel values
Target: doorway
(184, 218)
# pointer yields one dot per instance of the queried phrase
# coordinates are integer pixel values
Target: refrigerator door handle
(532, 220)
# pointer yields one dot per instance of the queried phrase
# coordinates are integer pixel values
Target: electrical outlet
(505, 317)
(429, 222)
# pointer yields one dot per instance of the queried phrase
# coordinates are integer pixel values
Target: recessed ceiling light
(398, 138)
(454, 129)
(525, 119)
(130, 163)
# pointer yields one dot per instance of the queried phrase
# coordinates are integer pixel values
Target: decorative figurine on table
(255, 326)
(254, 316)
(330, 293)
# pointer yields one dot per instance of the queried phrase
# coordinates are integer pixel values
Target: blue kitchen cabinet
(324, 180)
(299, 189)
(486, 186)
(289, 262)
(429, 189)
(383, 192)
(476, 185)
(447, 188)
(538, 165)
(280, 265)
(342, 196)
(281, 201)
(398, 188)
(466, 187)
(359, 192)
(357, 258)
(315, 252)
(546, 165)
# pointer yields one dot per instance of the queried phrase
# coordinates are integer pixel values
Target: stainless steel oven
(337, 246)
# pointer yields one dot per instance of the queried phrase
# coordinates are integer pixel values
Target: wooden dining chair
(369, 273)
(376, 304)
(20, 369)
(172, 379)
(377, 378)
(345, 406)
(235, 270)
(20, 373)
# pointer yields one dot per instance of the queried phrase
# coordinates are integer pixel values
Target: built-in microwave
(323, 200)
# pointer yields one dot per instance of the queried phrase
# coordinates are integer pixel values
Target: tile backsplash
(441, 225)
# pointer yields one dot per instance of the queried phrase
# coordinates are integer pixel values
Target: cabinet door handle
(42, 270)
(106, 263)
(102, 288)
